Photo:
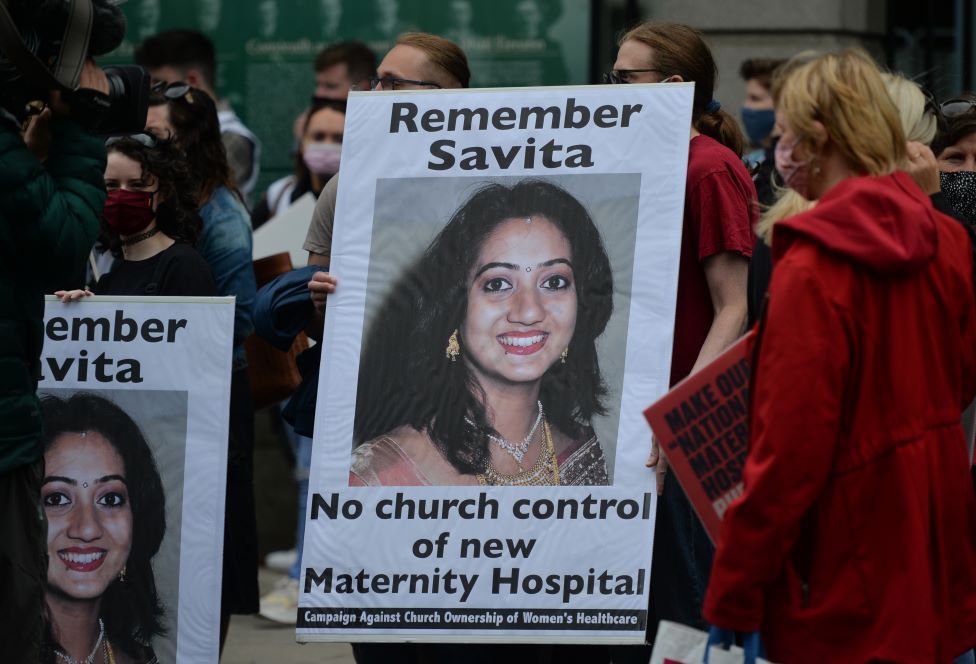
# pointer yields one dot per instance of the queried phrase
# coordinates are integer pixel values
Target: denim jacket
(226, 244)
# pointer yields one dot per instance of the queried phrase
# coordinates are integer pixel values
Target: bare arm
(319, 287)
(727, 277)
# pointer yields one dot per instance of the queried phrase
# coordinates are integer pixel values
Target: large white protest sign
(135, 397)
(507, 265)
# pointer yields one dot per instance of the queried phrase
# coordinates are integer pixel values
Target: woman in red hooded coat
(855, 538)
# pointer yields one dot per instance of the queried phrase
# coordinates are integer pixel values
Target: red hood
(886, 223)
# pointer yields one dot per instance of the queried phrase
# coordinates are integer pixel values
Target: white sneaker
(280, 561)
(281, 604)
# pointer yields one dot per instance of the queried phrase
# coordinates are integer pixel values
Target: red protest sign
(702, 428)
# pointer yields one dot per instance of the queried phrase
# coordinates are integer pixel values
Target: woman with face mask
(852, 541)
(919, 120)
(149, 223)
(955, 147)
(187, 116)
(315, 164)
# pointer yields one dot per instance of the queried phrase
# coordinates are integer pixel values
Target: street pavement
(254, 640)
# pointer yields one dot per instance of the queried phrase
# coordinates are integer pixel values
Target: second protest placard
(507, 265)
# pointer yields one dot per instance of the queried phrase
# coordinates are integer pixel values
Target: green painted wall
(266, 47)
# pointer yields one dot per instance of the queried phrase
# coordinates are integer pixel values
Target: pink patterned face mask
(322, 158)
(796, 174)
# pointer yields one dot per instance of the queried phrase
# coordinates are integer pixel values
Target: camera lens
(129, 95)
(116, 85)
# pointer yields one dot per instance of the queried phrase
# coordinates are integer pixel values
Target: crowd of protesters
(839, 224)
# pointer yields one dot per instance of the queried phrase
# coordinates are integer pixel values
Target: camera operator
(51, 196)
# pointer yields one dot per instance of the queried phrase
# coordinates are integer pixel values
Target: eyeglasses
(142, 138)
(177, 90)
(956, 107)
(622, 76)
(391, 83)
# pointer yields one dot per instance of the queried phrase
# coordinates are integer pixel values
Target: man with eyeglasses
(418, 61)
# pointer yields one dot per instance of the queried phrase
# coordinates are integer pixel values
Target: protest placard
(702, 426)
(507, 262)
(286, 232)
(135, 395)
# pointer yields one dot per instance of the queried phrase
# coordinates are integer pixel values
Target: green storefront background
(265, 48)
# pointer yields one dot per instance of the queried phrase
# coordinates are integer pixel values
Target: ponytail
(723, 128)
(680, 49)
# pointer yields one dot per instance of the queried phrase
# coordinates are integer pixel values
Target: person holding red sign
(712, 305)
(853, 540)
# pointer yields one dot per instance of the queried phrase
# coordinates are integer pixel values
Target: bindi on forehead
(113, 477)
(515, 267)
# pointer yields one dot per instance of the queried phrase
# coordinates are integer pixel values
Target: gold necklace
(545, 472)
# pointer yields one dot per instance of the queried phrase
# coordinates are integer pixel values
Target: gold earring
(122, 574)
(564, 355)
(453, 347)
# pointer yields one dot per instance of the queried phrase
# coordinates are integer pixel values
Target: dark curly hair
(404, 376)
(131, 609)
(176, 214)
(954, 129)
(194, 117)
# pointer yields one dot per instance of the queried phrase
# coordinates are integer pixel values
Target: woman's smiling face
(86, 500)
(521, 310)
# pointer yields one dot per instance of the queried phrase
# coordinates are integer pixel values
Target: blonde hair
(787, 204)
(844, 92)
(918, 122)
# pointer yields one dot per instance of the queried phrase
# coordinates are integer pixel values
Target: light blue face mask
(758, 123)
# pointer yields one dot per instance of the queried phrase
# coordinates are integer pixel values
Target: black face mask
(959, 189)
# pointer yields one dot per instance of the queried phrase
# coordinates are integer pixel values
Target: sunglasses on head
(144, 139)
(932, 107)
(955, 107)
(177, 90)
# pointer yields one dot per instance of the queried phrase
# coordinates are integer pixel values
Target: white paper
(396, 193)
(285, 232)
(166, 362)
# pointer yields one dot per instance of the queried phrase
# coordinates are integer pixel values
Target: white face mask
(322, 158)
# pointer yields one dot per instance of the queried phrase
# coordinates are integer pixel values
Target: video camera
(43, 47)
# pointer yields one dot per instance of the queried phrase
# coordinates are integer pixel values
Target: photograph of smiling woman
(105, 506)
(469, 346)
